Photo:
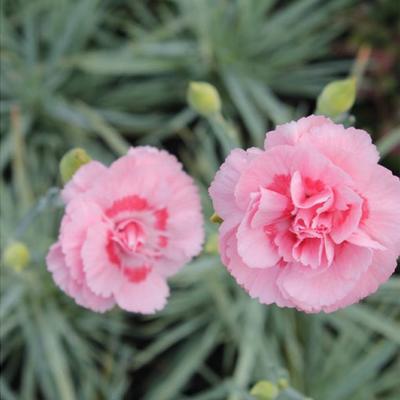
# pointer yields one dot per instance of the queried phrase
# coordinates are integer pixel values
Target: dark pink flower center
(314, 218)
(136, 237)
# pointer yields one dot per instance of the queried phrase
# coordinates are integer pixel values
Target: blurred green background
(107, 74)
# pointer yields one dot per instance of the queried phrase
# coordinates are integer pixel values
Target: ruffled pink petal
(292, 132)
(103, 276)
(144, 297)
(382, 267)
(272, 206)
(309, 252)
(82, 180)
(361, 238)
(349, 149)
(223, 186)
(345, 222)
(147, 172)
(262, 172)
(255, 246)
(381, 213)
(259, 283)
(312, 290)
(299, 194)
(55, 261)
(80, 214)
(79, 292)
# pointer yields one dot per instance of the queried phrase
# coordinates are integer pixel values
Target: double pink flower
(126, 229)
(311, 221)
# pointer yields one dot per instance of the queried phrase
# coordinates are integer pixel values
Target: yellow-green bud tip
(216, 219)
(204, 98)
(283, 383)
(265, 390)
(337, 97)
(16, 255)
(71, 162)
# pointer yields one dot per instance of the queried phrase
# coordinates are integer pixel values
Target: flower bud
(283, 383)
(204, 98)
(216, 219)
(16, 255)
(71, 162)
(337, 97)
(265, 390)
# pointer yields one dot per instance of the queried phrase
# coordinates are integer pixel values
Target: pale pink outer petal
(222, 188)
(145, 171)
(292, 132)
(382, 267)
(82, 180)
(80, 214)
(145, 297)
(102, 277)
(312, 290)
(382, 193)
(350, 149)
(80, 292)
(259, 283)
(254, 247)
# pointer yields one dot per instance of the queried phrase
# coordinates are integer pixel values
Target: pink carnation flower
(125, 230)
(312, 221)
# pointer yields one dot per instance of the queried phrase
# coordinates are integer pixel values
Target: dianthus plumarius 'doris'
(126, 229)
(312, 220)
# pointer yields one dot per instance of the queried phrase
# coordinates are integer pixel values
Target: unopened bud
(216, 219)
(283, 383)
(16, 255)
(71, 162)
(265, 390)
(337, 97)
(204, 98)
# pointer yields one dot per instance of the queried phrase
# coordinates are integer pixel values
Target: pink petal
(222, 188)
(144, 297)
(348, 148)
(300, 197)
(255, 246)
(347, 221)
(312, 290)
(381, 218)
(259, 283)
(272, 206)
(262, 172)
(83, 179)
(80, 214)
(292, 132)
(382, 267)
(102, 276)
(361, 238)
(80, 292)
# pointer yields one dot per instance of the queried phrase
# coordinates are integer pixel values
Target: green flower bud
(71, 162)
(265, 390)
(283, 383)
(216, 219)
(204, 98)
(337, 97)
(16, 255)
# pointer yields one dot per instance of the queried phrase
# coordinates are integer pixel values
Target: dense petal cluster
(125, 230)
(312, 221)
